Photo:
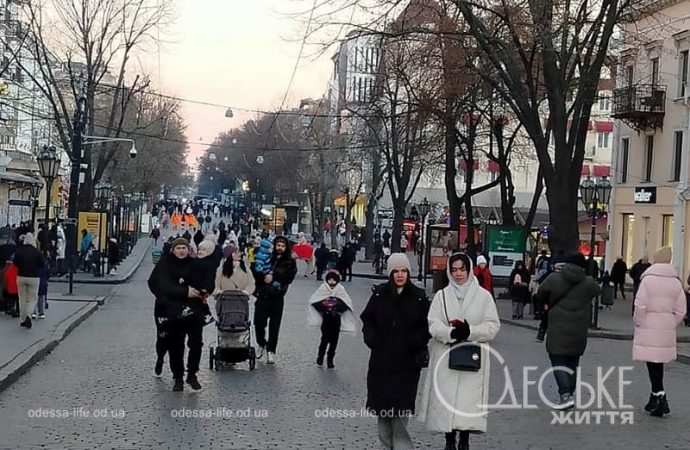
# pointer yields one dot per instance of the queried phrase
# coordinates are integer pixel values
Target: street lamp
(595, 198)
(423, 209)
(103, 191)
(48, 165)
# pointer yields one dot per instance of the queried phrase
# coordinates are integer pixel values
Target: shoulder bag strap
(445, 310)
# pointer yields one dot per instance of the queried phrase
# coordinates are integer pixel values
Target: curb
(20, 364)
(120, 279)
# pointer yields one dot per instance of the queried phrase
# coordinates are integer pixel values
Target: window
(648, 159)
(683, 73)
(604, 140)
(604, 102)
(655, 71)
(623, 168)
(667, 230)
(677, 155)
(629, 75)
(627, 243)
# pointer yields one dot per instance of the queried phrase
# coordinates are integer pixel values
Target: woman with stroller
(233, 275)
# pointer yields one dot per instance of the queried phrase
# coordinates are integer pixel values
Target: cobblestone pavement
(105, 367)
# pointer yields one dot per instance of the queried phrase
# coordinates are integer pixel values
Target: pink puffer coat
(659, 308)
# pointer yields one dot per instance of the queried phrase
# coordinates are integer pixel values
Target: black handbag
(466, 357)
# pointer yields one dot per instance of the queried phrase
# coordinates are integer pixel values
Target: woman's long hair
(229, 268)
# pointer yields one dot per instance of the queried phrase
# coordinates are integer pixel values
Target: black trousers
(319, 272)
(161, 337)
(656, 376)
(330, 331)
(618, 285)
(190, 329)
(269, 311)
(566, 375)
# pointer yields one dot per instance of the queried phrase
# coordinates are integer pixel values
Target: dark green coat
(571, 316)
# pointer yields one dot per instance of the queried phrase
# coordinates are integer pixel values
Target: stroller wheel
(211, 358)
(252, 358)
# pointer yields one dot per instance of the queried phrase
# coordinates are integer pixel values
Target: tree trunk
(372, 201)
(564, 235)
(398, 218)
(451, 144)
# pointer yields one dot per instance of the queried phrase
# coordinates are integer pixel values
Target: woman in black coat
(176, 314)
(519, 289)
(397, 332)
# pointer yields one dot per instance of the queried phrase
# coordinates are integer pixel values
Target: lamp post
(48, 165)
(103, 191)
(595, 198)
(35, 192)
(423, 209)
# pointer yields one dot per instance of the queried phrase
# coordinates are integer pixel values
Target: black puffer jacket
(204, 271)
(396, 330)
(283, 270)
(169, 282)
(29, 261)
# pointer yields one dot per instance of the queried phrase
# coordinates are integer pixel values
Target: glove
(461, 332)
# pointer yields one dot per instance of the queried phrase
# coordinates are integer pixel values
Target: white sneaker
(33, 316)
(566, 402)
(41, 316)
(270, 358)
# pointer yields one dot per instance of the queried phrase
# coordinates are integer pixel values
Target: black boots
(463, 443)
(319, 360)
(450, 441)
(658, 405)
(193, 381)
(179, 385)
(26, 323)
(329, 363)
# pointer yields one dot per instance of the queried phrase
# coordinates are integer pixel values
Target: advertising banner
(505, 245)
(96, 223)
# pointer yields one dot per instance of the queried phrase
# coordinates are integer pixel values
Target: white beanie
(481, 260)
(398, 261)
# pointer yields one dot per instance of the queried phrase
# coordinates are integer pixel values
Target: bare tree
(83, 49)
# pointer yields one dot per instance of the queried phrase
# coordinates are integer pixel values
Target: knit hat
(663, 256)
(332, 274)
(179, 241)
(481, 260)
(398, 261)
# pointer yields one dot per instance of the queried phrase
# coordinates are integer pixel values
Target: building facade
(651, 108)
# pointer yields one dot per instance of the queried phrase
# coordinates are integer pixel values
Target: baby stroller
(234, 331)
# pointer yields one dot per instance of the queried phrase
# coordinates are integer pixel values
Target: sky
(237, 53)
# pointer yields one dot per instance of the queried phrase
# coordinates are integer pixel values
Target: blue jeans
(41, 305)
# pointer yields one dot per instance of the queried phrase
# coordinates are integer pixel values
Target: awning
(493, 166)
(18, 178)
(603, 127)
(602, 171)
(585, 171)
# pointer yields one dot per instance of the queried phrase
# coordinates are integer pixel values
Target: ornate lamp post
(48, 165)
(102, 191)
(595, 198)
(423, 209)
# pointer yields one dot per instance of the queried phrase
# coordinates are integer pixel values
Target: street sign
(506, 245)
(15, 202)
(69, 221)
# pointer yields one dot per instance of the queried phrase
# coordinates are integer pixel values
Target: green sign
(506, 239)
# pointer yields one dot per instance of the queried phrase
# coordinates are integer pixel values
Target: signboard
(505, 245)
(15, 202)
(645, 194)
(146, 223)
(96, 223)
(442, 242)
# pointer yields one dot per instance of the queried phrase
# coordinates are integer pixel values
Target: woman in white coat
(452, 400)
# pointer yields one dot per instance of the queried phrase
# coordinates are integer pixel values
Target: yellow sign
(96, 224)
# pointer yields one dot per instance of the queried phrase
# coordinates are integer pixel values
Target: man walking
(272, 283)
(618, 272)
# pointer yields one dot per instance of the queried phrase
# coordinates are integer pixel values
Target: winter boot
(179, 385)
(450, 441)
(652, 403)
(319, 359)
(329, 363)
(661, 406)
(464, 443)
(193, 381)
(158, 370)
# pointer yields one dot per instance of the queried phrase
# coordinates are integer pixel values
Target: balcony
(641, 107)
